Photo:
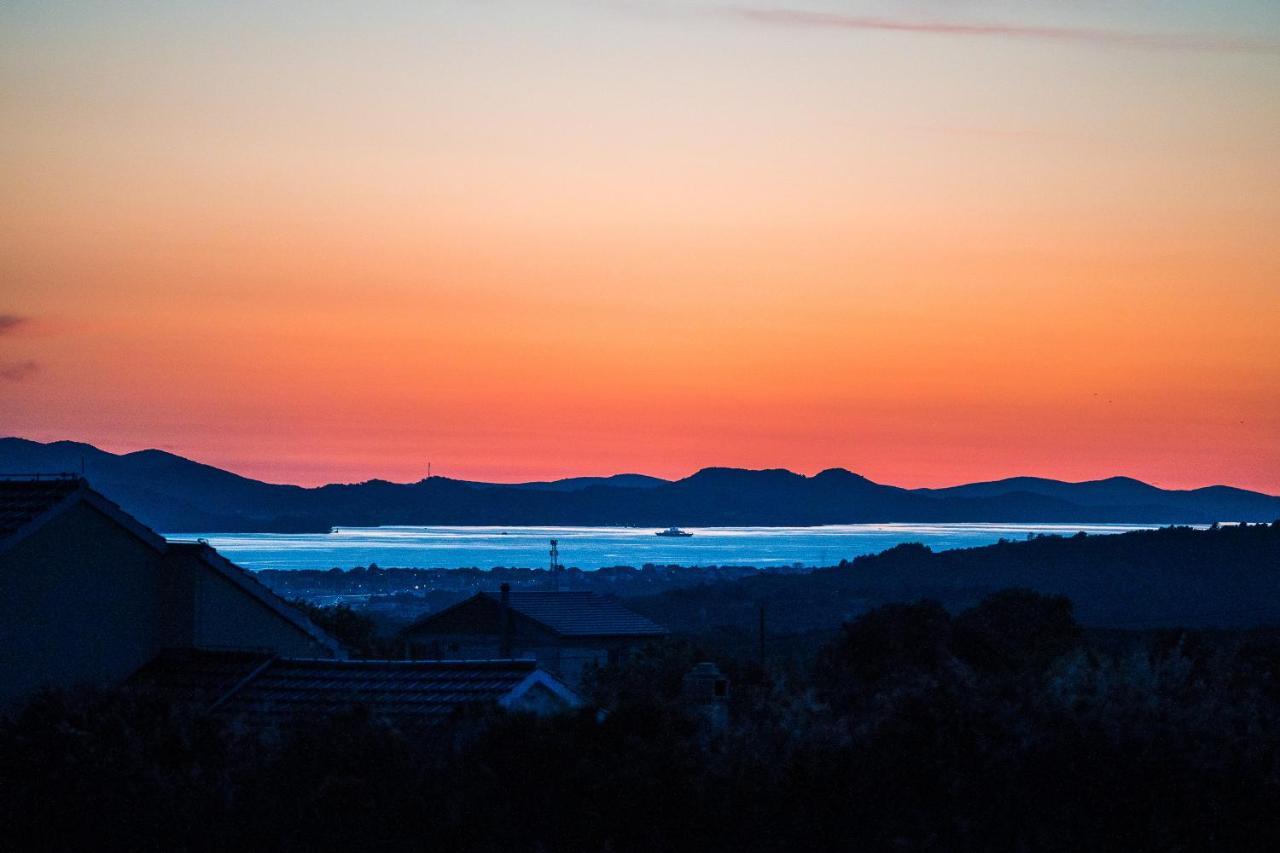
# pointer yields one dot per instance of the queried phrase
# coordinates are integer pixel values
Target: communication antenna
(555, 565)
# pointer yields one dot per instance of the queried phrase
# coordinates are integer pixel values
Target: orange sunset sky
(930, 242)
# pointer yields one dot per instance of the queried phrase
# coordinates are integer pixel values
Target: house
(88, 594)
(562, 631)
(261, 690)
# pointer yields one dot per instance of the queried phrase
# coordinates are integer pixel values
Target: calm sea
(593, 547)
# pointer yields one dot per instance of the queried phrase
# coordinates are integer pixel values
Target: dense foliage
(1002, 728)
(357, 631)
(1221, 577)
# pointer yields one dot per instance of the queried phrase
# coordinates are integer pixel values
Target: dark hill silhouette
(166, 491)
(575, 484)
(1174, 576)
(1119, 491)
(174, 494)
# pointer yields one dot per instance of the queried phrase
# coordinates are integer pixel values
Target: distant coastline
(490, 548)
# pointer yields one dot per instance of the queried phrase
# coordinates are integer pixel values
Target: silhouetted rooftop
(23, 501)
(27, 503)
(248, 583)
(582, 614)
(566, 614)
(197, 677)
(263, 690)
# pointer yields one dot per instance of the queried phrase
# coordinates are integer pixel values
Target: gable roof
(264, 690)
(28, 503)
(582, 614)
(568, 614)
(249, 584)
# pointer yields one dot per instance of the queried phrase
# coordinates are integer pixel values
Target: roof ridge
(580, 613)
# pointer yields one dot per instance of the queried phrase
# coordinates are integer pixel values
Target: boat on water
(674, 532)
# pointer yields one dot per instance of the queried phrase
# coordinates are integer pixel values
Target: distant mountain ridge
(174, 494)
(573, 484)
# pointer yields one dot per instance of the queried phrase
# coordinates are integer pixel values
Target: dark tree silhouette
(1015, 631)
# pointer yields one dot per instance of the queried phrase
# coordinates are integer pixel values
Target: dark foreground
(1002, 728)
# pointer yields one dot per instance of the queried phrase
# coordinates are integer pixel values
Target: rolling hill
(174, 494)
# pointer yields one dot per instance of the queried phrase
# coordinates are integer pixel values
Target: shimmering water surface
(594, 547)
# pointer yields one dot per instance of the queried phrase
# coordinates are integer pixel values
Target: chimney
(504, 622)
(705, 685)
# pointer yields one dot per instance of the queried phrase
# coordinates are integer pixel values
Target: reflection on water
(594, 547)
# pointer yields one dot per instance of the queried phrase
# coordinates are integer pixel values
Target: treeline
(1221, 577)
(624, 581)
(1004, 727)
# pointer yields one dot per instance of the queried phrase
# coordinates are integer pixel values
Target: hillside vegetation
(1225, 577)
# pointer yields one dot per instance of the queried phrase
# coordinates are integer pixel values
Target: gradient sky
(928, 241)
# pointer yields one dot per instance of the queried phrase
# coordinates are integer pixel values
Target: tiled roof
(27, 503)
(23, 501)
(266, 690)
(393, 689)
(582, 614)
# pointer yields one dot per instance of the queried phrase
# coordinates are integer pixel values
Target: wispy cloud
(1085, 35)
(17, 371)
